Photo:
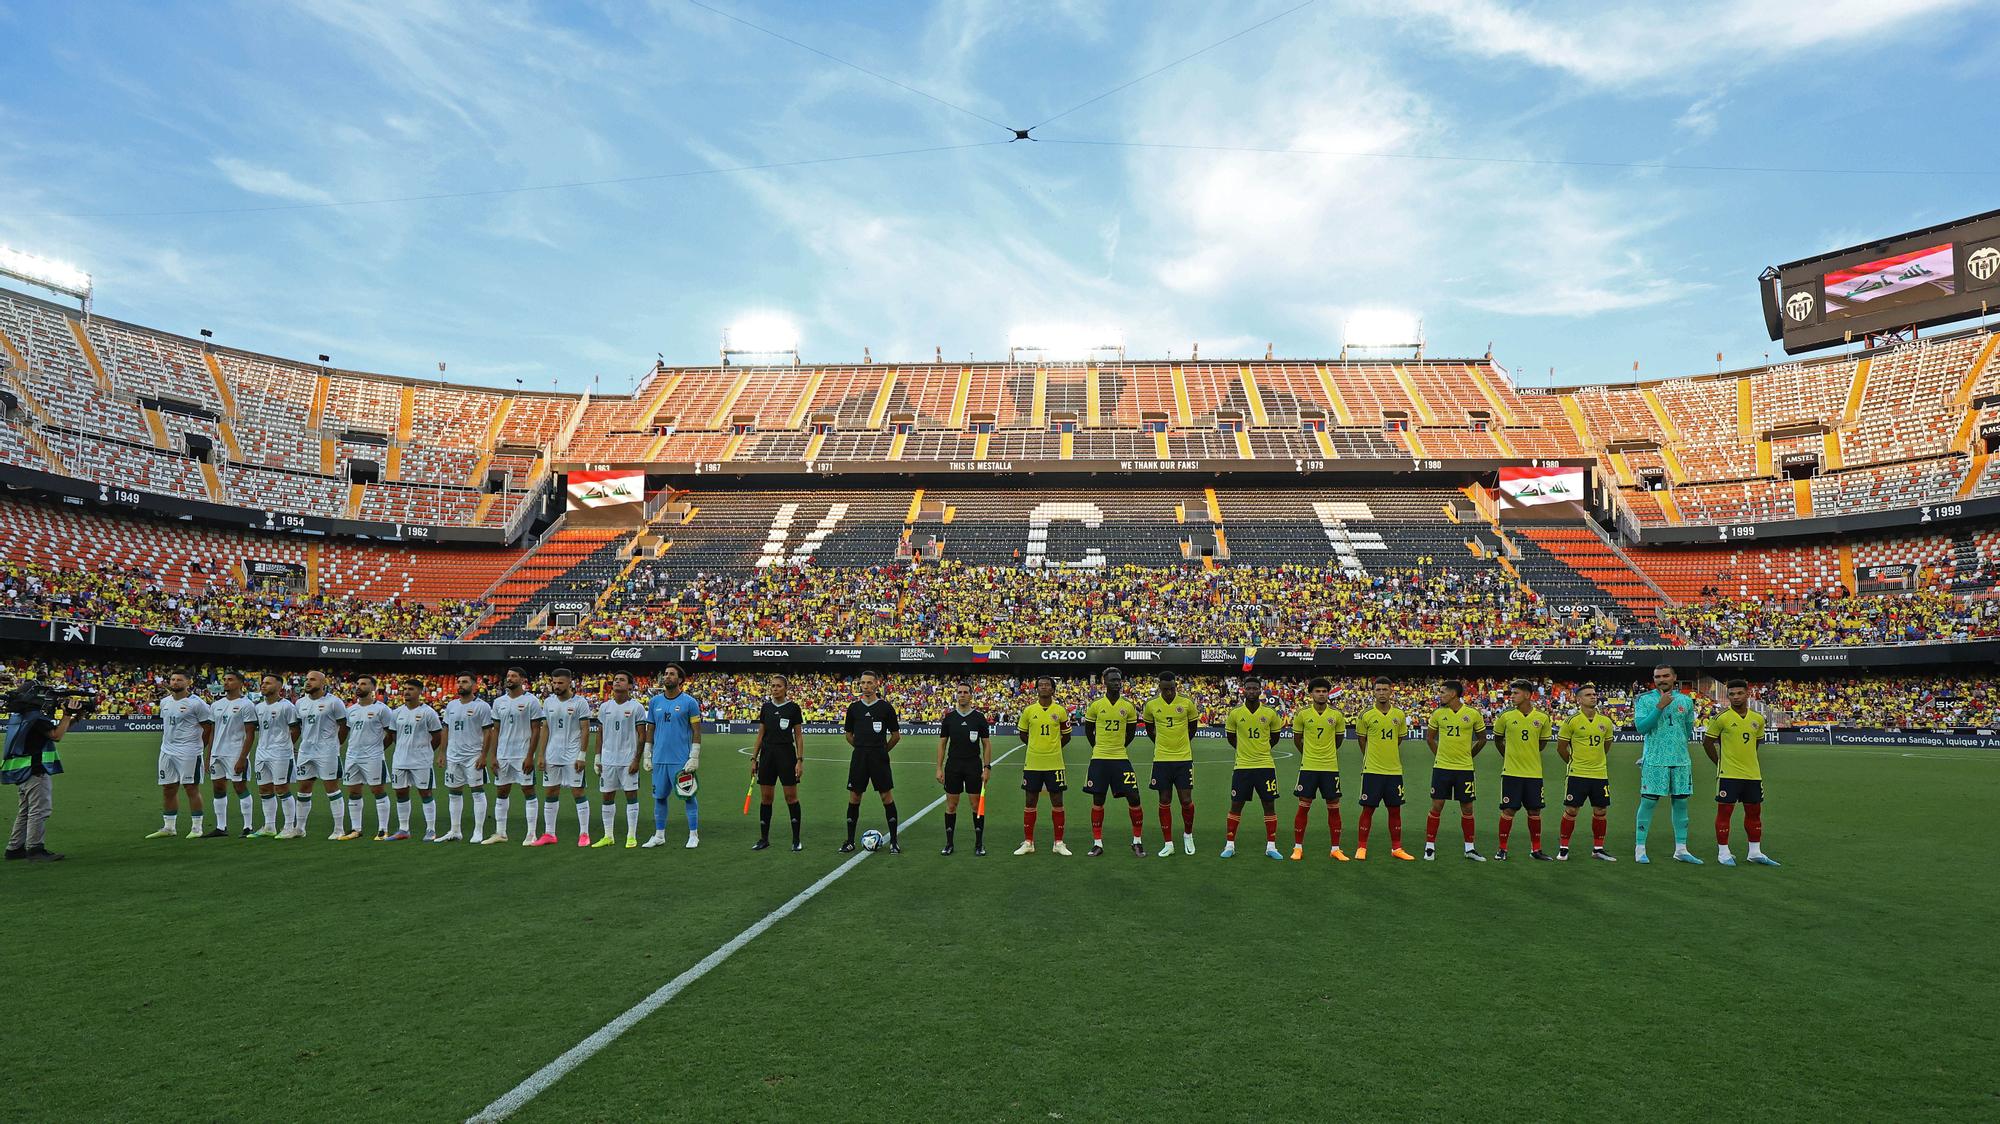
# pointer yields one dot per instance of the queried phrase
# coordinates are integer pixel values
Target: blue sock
(1680, 813)
(694, 814)
(1645, 819)
(659, 813)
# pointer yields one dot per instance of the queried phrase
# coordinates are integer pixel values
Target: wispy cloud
(1700, 119)
(273, 182)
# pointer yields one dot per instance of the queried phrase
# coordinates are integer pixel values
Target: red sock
(1568, 826)
(1056, 820)
(1597, 822)
(1333, 823)
(1187, 815)
(1722, 812)
(1506, 829)
(1431, 828)
(1534, 831)
(1234, 819)
(1299, 825)
(1028, 822)
(1167, 822)
(1395, 829)
(1465, 822)
(1138, 820)
(1097, 823)
(1367, 821)
(1271, 827)
(1753, 822)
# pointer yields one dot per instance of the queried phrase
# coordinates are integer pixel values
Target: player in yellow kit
(1317, 728)
(1171, 718)
(1456, 733)
(1045, 731)
(1381, 729)
(1522, 728)
(1584, 740)
(1731, 739)
(1252, 729)
(1110, 722)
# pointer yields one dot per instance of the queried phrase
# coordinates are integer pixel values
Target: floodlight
(761, 334)
(1377, 328)
(58, 276)
(1065, 342)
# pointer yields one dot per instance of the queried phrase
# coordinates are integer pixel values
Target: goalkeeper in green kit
(1665, 717)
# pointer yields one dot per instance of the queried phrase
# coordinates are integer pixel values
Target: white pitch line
(539, 1081)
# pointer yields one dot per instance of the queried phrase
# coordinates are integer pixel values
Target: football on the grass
(872, 840)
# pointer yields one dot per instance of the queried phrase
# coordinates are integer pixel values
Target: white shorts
(403, 780)
(617, 778)
(463, 774)
(318, 766)
(364, 770)
(272, 770)
(511, 772)
(179, 770)
(563, 776)
(224, 768)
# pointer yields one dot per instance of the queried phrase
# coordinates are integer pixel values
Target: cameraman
(30, 762)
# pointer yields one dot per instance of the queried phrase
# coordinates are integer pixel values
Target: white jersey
(180, 725)
(274, 728)
(366, 723)
(319, 724)
(414, 728)
(517, 718)
(567, 722)
(466, 724)
(620, 722)
(232, 719)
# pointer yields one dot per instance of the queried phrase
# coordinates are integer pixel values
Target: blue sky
(114, 115)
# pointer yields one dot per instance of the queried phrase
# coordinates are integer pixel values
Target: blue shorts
(1170, 775)
(1666, 780)
(664, 773)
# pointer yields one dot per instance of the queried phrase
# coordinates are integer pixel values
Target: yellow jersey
(1589, 744)
(1172, 724)
(1319, 734)
(1042, 728)
(1739, 735)
(1255, 730)
(1522, 736)
(1455, 730)
(1382, 734)
(1111, 721)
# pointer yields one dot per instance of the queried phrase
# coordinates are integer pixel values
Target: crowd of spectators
(947, 603)
(140, 599)
(1825, 620)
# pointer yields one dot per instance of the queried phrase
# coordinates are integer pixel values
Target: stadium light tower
(1064, 343)
(761, 336)
(1382, 330)
(55, 276)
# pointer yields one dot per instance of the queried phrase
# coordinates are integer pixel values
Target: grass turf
(257, 979)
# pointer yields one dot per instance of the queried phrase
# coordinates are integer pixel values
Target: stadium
(839, 573)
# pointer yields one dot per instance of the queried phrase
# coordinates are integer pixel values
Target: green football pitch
(257, 980)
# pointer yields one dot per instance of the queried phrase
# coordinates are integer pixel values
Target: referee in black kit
(778, 758)
(873, 731)
(964, 764)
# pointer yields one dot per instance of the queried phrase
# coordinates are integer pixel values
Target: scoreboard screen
(1926, 277)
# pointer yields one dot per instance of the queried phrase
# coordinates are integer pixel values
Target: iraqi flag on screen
(1874, 280)
(1529, 485)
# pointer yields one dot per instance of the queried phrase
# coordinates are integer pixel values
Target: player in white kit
(369, 723)
(618, 720)
(566, 757)
(322, 735)
(519, 715)
(234, 714)
(272, 738)
(468, 751)
(186, 730)
(419, 755)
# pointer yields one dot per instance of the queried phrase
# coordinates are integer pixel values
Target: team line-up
(544, 745)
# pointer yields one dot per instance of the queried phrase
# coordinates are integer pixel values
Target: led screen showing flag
(1892, 282)
(1532, 487)
(605, 489)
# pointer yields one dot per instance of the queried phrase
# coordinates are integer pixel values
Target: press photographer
(41, 715)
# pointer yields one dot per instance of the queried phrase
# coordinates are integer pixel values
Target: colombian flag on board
(981, 653)
(1249, 659)
(704, 652)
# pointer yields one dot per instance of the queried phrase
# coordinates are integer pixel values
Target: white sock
(244, 805)
(339, 813)
(551, 811)
(195, 824)
(503, 806)
(479, 812)
(291, 811)
(221, 804)
(1138, 840)
(403, 814)
(270, 811)
(1722, 852)
(1680, 849)
(632, 819)
(430, 817)
(1639, 852)
(457, 809)
(382, 814)
(583, 817)
(534, 814)
(1755, 849)
(304, 800)
(355, 810)
(610, 811)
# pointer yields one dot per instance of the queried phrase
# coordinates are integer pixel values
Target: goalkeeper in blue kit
(1666, 717)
